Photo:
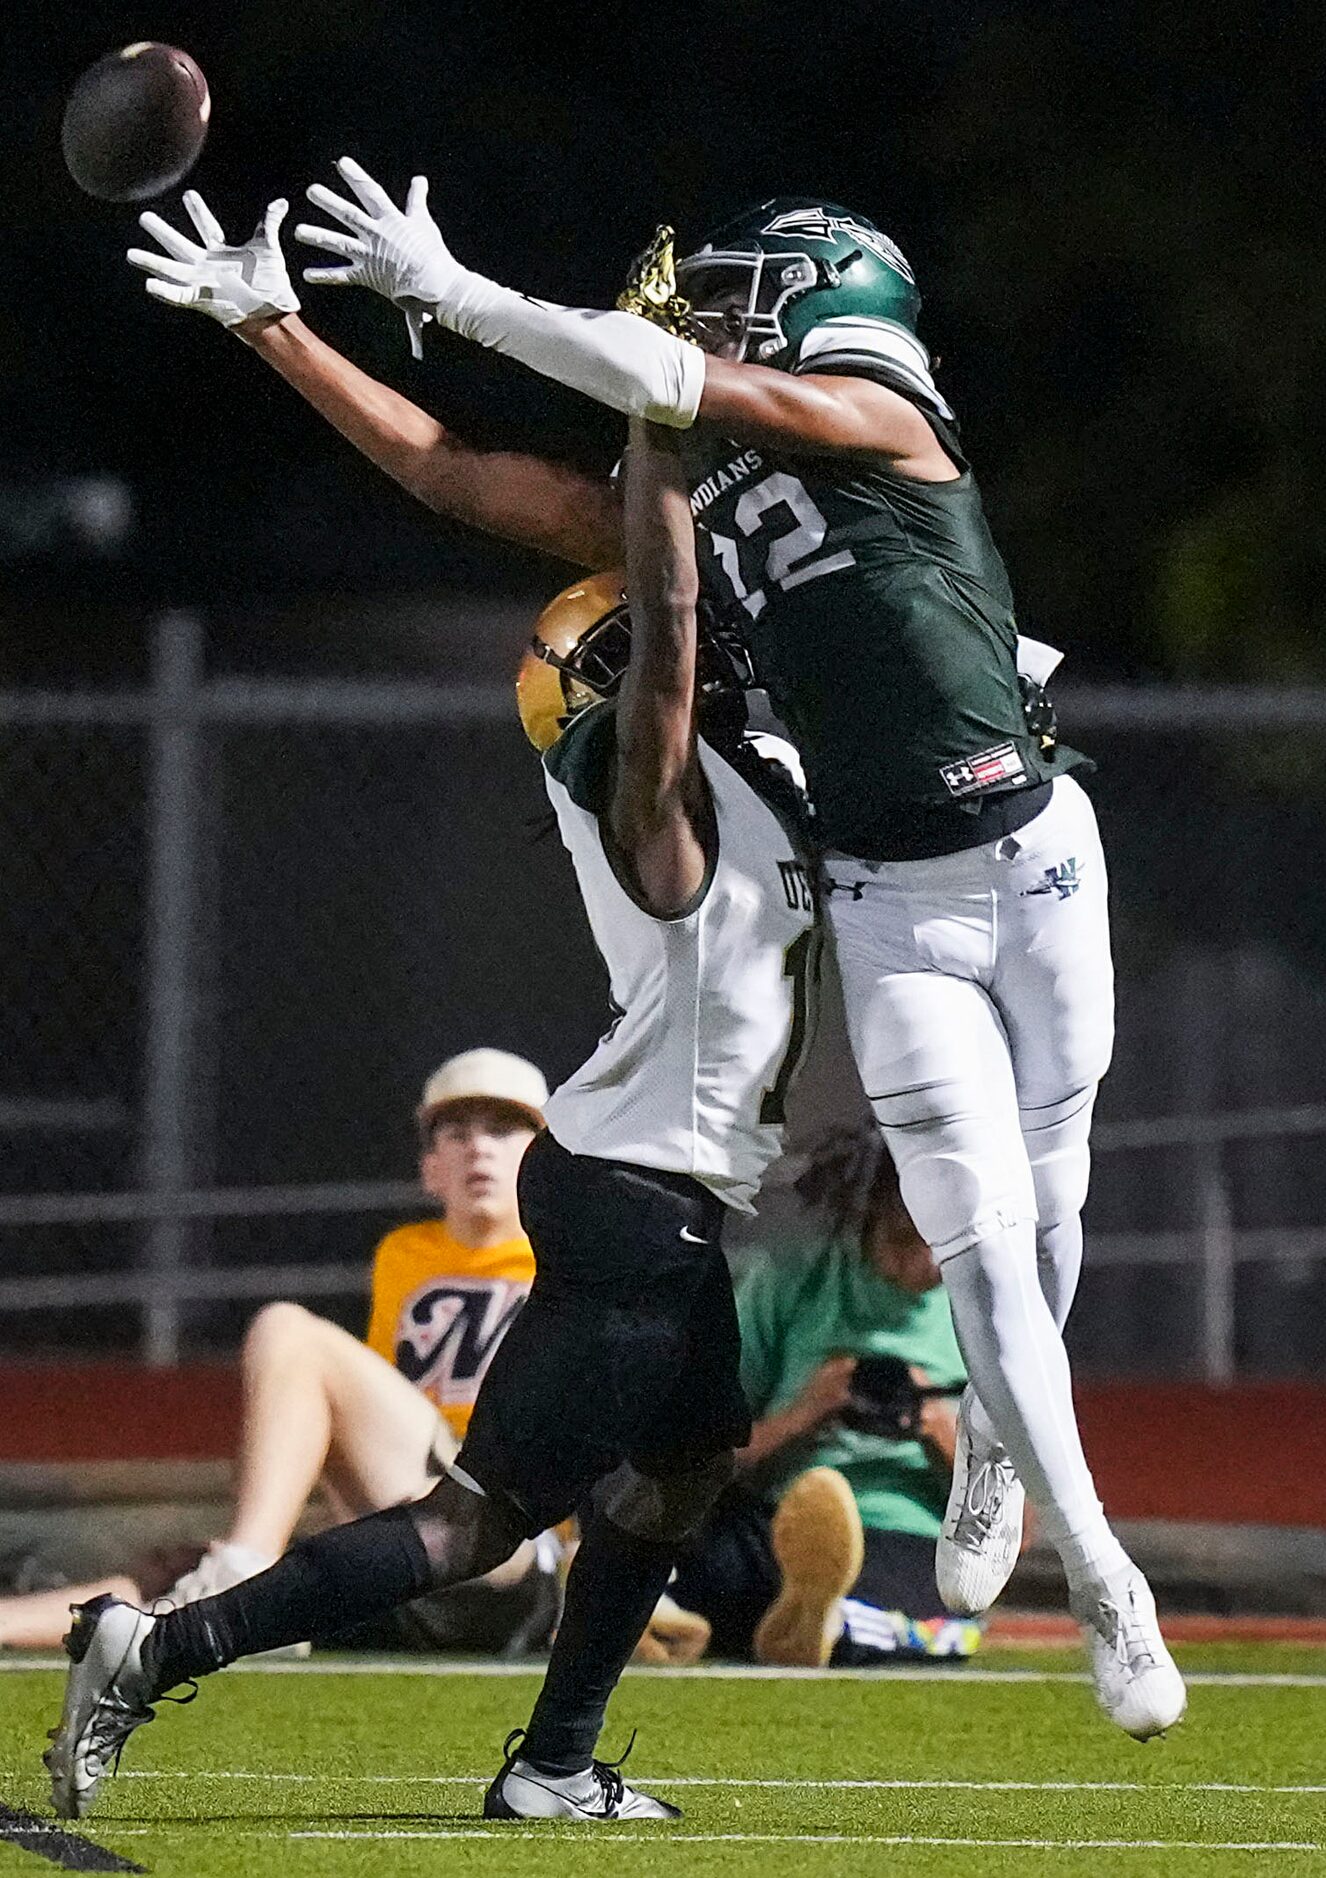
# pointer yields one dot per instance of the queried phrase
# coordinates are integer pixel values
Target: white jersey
(713, 1003)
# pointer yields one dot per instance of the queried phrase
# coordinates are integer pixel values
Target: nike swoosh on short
(690, 1237)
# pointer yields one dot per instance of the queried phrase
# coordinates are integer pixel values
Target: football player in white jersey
(836, 507)
(617, 1390)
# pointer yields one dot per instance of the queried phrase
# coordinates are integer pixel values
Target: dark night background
(1114, 213)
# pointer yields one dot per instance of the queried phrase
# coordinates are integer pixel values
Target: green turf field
(1009, 1770)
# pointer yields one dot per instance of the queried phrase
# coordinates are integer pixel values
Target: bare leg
(313, 1394)
(38, 1620)
(350, 1496)
(320, 1405)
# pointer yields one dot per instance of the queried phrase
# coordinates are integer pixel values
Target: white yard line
(715, 1672)
(843, 1838)
(552, 1834)
(791, 1782)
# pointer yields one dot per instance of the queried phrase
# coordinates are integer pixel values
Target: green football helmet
(771, 274)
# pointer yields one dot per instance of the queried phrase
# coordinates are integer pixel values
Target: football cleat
(598, 1793)
(1137, 1681)
(107, 1696)
(820, 1547)
(982, 1532)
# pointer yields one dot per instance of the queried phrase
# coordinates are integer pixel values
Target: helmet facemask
(593, 670)
(772, 274)
(739, 294)
(724, 675)
(737, 298)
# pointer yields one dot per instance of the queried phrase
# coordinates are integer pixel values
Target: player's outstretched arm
(246, 288)
(526, 499)
(823, 413)
(660, 803)
(617, 358)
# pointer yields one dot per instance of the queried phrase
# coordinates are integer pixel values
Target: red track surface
(1160, 1451)
(1037, 1630)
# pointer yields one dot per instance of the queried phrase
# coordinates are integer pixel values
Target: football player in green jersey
(833, 504)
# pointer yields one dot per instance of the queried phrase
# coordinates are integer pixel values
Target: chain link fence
(243, 918)
(71, 915)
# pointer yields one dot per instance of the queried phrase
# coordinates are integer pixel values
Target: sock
(979, 1422)
(1091, 1559)
(614, 1583)
(323, 1584)
(1016, 1359)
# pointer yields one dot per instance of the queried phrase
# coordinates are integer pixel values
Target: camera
(885, 1401)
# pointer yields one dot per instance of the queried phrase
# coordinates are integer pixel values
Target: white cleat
(107, 1696)
(598, 1793)
(982, 1533)
(1137, 1682)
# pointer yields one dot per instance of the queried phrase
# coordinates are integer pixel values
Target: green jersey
(880, 620)
(795, 1311)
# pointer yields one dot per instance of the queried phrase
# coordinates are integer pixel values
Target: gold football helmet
(577, 657)
(582, 646)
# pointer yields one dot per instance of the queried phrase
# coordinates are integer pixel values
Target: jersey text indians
(734, 472)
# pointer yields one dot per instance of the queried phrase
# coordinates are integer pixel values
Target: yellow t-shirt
(441, 1308)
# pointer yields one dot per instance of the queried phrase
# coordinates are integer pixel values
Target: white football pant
(978, 990)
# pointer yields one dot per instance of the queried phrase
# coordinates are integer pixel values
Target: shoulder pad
(770, 748)
(581, 759)
(877, 348)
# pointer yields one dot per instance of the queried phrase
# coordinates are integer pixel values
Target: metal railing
(1213, 1243)
(174, 711)
(178, 705)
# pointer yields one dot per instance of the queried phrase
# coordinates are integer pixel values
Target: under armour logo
(1064, 880)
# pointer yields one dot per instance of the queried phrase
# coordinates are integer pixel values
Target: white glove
(399, 253)
(618, 358)
(230, 284)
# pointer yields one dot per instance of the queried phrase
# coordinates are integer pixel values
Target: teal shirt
(799, 1307)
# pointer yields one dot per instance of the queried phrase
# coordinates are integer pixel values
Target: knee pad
(963, 1175)
(464, 1533)
(1057, 1137)
(665, 1508)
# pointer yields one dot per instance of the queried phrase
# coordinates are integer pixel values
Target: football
(135, 122)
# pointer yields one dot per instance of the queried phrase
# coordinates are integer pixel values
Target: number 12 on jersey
(786, 562)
